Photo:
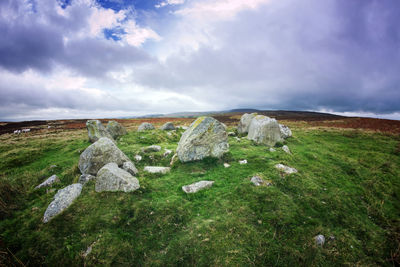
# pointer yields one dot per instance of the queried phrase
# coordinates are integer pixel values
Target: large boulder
(62, 200)
(168, 126)
(96, 130)
(204, 138)
(244, 123)
(285, 131)
(264, 130)
(112, 178)
(145, 126)
(115, 129)
(99, 154)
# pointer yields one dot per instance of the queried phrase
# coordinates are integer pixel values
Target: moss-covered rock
(96, 130)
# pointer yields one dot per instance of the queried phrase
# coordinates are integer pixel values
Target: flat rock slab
(156, 169)
(62, 200)
(193, 188)
(49, 181)
(285, 169)
(258, 181)
(153, 148)
(111, 178)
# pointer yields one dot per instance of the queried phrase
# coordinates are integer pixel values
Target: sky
(64, 59)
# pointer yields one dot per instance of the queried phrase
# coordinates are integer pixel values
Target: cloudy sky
(114, 58)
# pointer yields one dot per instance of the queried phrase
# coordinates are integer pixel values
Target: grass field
(347, 188)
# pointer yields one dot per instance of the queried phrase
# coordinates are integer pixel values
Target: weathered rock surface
(195, 187)
(285, 169)
(204, 138)
(145, 126)
(226, 165)
(286, 149)
(258, 181)
(112, 178)
(152, 148)
(264, 130)
(130, 167)
(271, 149)
(49, 181)
(168, 126)
(96, 130)
(167, 152)
(244, 123)
(285, 131)
(319, 240)
(241, 162)
(156, 169)
(84, 178)
(62, 200)
(99, 154)
(115, 129)
(138, 157)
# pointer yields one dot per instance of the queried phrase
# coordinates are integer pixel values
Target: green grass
(348, 186)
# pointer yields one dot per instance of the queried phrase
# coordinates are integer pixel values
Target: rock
(115, 129)
(193, 188)
(258, 181)
(237, 138)
(84, 178)
(153, 148)
(285, 169)
(99, 154)
(244, 123)
(271, 149)
(173, 159)
(145, 126)
(156, 169)
(49, 181)
(319, 240)
(88, 250)
(285, 131)
(130, 167)
(138, 157)
(53, 166)
(167, 152)
(112, 178)
(96, 131)
(226, 165)
(204, 138)
(231, 134)
(168, 126)
(241, 162)
(62, 200)
(286, 149)
(264, 130)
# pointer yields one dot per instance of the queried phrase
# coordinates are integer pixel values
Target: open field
(347, 188)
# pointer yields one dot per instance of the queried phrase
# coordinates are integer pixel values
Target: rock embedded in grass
(226, 165)
(62, 200)
(286, 149)
(85, 178)
(241, 162)
(264, 130)
(244, 123)
(115, 129)
(49, 181)
(271, 149)
(168, 126)
(152, 148)
(138, 157)
(157, 169)
(130, 167)
(96, 130)
(99, 154)
(285, 169)
(285, 131)
(319, 240)
(206, 137)
(167, 152)
(257, 181)
(112, 178)
(195, 187)
(145, 126)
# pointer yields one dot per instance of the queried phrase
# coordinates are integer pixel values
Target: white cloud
(136, 35)
(169, 2)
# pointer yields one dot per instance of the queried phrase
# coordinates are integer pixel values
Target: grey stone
(130, 167)
(152, 148)
(241, 162)
(138, 157)
(115, 129)
(99, 154)
(195, 187)
(168, 126)
(156, 169)
(226, 165)
(174, 159)
(49, 181)
(111, 178)
(285, 169)
(285, 131)
(319, 240)
(257, 181)
(96, 131)
(53, 166)
(231, 134)
(264, 130)
(62, 200)
(271, 149)
(145, 126)
(286, 149)
(244, 123)
(167, 152)
(206, 137)
(84, 178)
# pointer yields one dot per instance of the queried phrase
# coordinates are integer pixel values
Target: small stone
(231, 134)
(138, 157)
(173, 159)
(257, 181)
(88, 250)
(153, 148)
(130, 167)
(237, 138)
(53, 166)
(241, 162)
(286, 149)
(271, 149)
(319, 240)
(285, 169)
(49, 181)
(156, 169)
(331, 238)
(167, 152)
(84, 178)
(195, 187)
(145, 126)
(226, 165)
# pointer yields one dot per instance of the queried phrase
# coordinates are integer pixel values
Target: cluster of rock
(96, 130)
(146, 126)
